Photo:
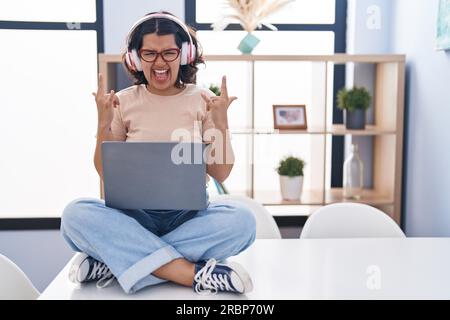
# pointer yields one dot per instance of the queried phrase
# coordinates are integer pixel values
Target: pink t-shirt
(144, 116)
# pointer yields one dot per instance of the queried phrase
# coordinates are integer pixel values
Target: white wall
(120, 15)
(409, 27)
(365, 32)
(427, 117)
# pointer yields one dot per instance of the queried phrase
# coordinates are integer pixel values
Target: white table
(412, 268)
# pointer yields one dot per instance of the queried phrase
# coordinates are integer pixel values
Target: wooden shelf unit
(387, 130)
(336, 129)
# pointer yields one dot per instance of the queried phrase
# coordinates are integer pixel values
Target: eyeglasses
(167, 55)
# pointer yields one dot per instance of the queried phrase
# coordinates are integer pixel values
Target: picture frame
(290, 117)
(443, 26)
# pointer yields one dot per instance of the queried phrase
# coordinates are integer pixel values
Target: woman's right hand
(105, 103)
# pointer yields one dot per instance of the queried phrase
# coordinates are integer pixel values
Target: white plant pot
(291, 187)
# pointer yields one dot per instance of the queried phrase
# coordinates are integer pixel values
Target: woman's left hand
(218, 105)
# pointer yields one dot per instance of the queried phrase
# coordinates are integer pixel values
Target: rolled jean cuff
(143, 268)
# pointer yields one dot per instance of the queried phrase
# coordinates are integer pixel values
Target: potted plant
(354, 102)
(215, 89)
(290, 170)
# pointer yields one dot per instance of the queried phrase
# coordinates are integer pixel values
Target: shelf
(386, 147)
(312, 130)
(273, 198)
(335, 58)
(291, 210)
(370, 130)
(369, 196)
(336, 129)
(315, 198)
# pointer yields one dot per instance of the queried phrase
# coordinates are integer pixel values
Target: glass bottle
(353, 174)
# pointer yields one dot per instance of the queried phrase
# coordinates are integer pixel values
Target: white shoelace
(101, 270)
(207, 283)
(107, 278)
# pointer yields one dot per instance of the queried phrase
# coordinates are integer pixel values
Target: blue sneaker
(212, 277)
(86, 269)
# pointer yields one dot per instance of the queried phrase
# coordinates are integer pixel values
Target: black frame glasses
(167, 55)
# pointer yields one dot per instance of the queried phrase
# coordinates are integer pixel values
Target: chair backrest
(14, 284)
(266, 227)
(350, 220)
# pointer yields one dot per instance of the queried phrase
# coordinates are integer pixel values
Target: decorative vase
(353, 175)
(248, 43)
(291, 187)
(355, 120)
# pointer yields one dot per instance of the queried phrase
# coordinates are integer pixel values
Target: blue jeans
(134, 243)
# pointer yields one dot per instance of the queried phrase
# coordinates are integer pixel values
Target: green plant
(354, 99)
(214, 88)
(291, 166)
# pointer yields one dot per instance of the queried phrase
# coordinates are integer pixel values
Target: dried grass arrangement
(250, 14)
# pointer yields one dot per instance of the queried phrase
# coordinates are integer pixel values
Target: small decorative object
(443, 26)
(354, 102)
(250, 14)
(290, 170)
(289, 117)
(214, 88)
(248, 43)
(353, 174)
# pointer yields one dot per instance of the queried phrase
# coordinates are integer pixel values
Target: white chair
(14, 284)
(266, 227)
(350, 220)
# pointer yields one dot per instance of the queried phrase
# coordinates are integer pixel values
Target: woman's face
(161, 75)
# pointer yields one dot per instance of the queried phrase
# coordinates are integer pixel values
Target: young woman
(146, 247)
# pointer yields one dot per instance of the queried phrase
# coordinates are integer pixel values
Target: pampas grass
(250, 14)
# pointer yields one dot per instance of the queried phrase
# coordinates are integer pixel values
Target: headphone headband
(188, 49)
(154, 16)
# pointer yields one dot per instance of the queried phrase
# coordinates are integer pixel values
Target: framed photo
(289, 117)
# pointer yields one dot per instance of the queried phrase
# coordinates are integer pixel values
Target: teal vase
(248, 43)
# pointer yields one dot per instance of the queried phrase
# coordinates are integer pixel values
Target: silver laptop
(154, 175)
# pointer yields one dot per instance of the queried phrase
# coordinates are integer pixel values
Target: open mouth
(161, 74)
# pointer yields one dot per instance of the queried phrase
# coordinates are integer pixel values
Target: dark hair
(163, 26)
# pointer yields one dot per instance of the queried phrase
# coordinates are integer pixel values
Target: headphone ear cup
(128, 61)
(193, 52)
(135, 60)
(184, 54)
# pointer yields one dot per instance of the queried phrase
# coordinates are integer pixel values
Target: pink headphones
(188, 49)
